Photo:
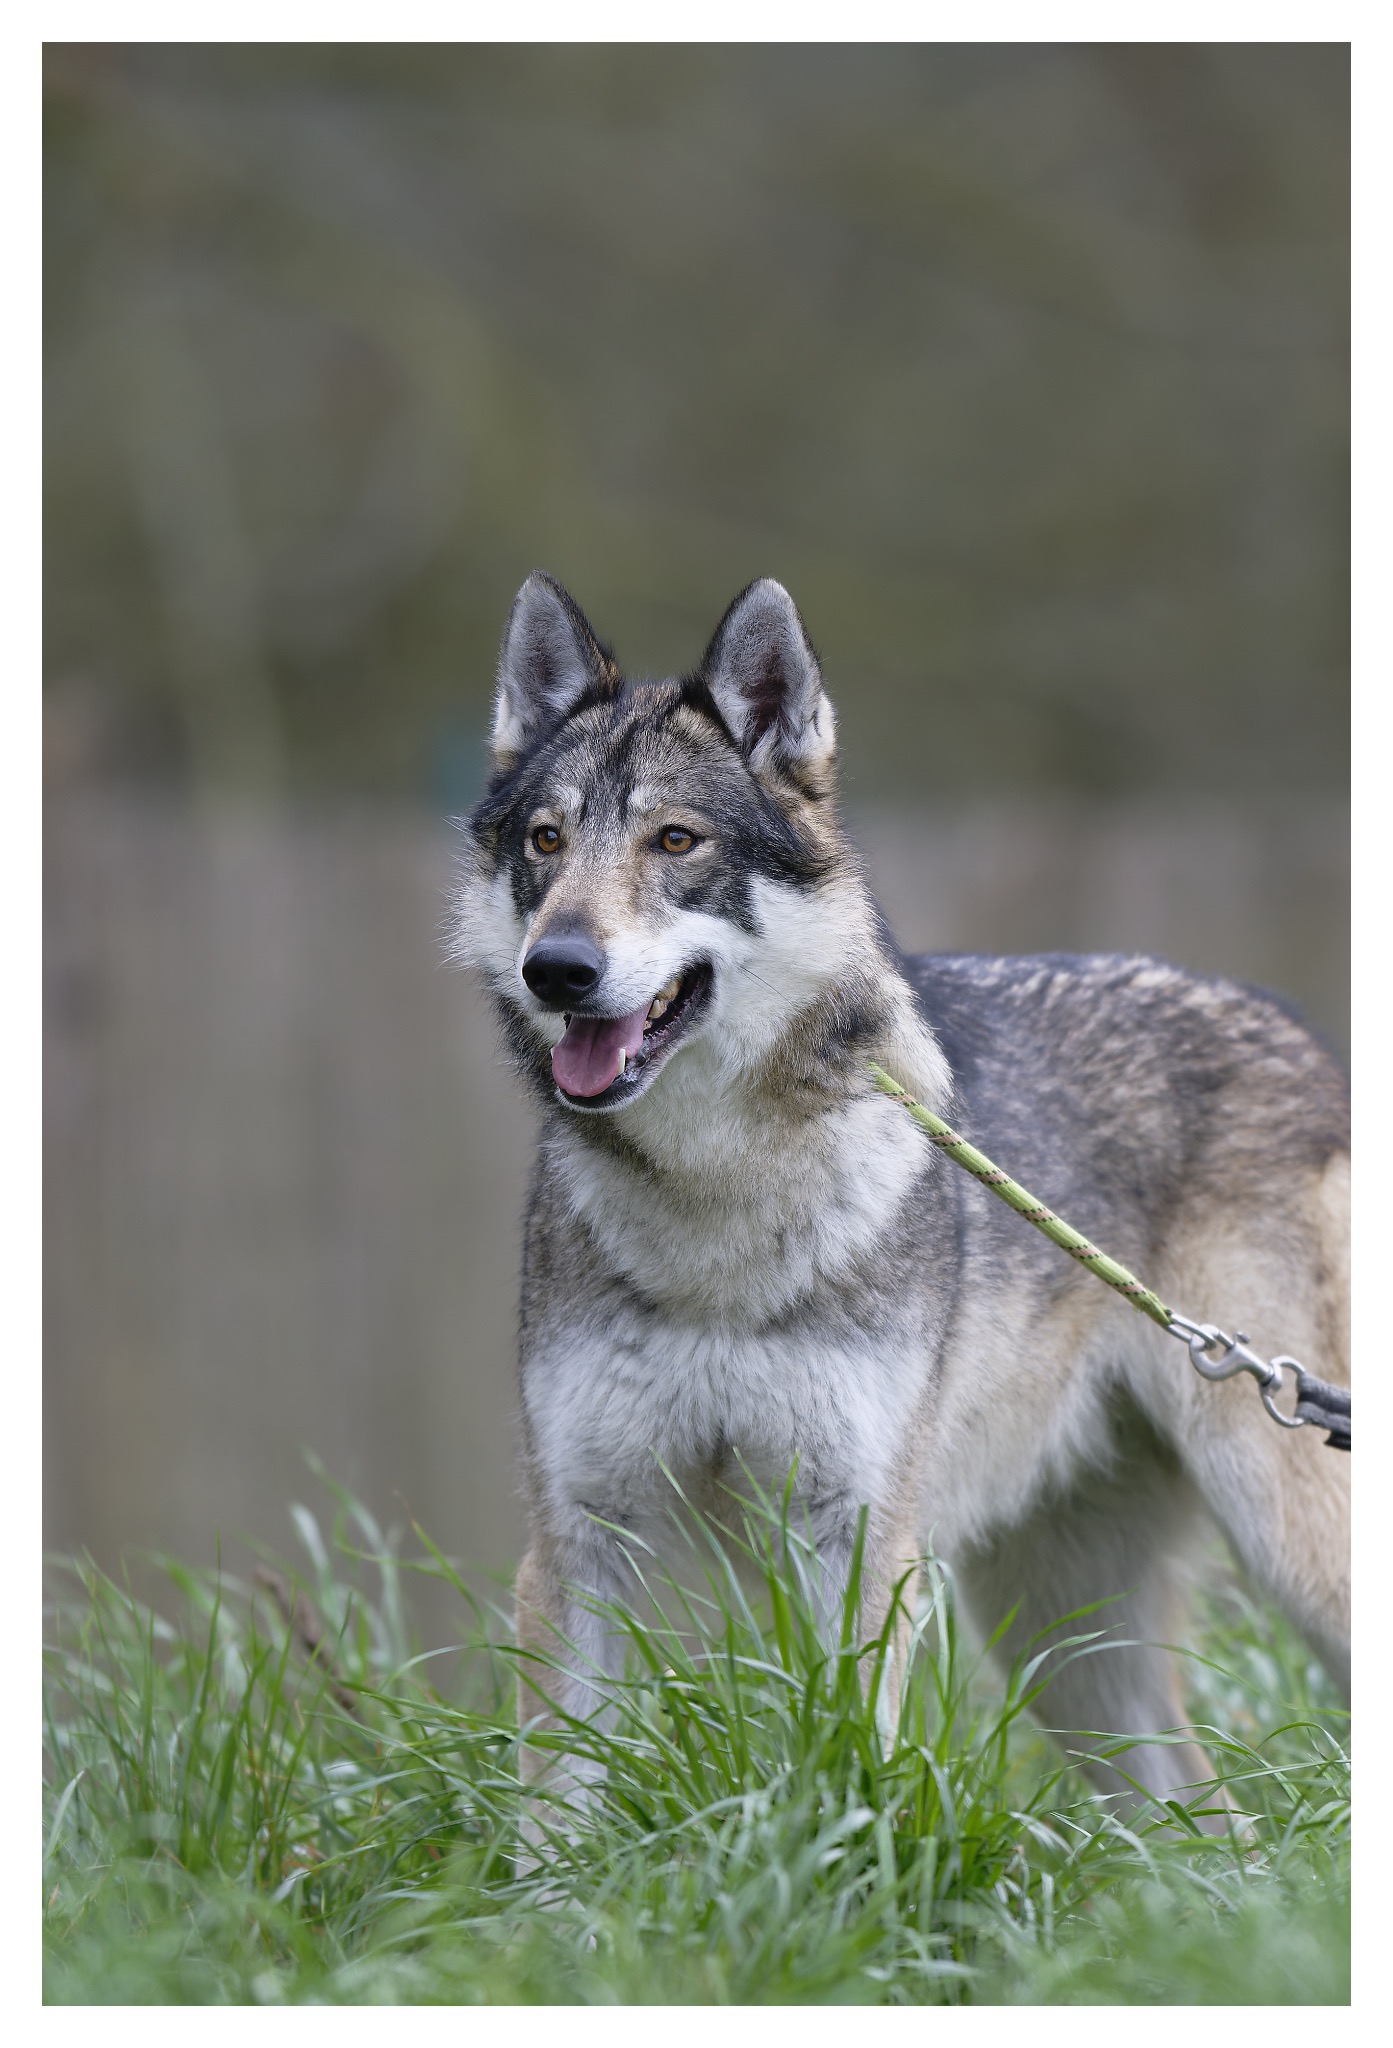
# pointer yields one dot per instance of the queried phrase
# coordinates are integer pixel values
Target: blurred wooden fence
(285, 1166)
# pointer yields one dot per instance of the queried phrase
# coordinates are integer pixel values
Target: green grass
(227, 1821)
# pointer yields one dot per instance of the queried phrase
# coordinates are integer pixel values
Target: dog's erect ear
(763, 674)
(549, 659)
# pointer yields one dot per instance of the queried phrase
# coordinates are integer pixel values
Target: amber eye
(546, 839)
(675, 840)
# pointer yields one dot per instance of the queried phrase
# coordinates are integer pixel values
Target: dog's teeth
(623, 1061)
(663, 1000)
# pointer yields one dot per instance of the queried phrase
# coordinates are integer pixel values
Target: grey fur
(741, 1251)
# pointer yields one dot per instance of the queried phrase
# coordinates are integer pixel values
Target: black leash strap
(1324, 1408)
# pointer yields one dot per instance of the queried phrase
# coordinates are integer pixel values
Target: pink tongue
(587, 1058)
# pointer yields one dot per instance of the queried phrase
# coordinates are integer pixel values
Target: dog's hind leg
(1119, 1537)
(1281, 1496)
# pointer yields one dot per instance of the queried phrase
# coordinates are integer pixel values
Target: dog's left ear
(764, 676)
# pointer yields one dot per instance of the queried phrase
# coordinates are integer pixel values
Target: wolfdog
(740, 1258)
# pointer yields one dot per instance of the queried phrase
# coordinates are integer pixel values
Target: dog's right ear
(549, 659)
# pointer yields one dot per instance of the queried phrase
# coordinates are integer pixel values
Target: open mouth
(603, 1061)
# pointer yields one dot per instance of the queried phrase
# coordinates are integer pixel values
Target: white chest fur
(686, 1365)
(613, 1403)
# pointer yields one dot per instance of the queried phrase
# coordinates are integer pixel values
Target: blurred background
(1024, 368)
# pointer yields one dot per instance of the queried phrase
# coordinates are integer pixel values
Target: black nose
(560, 970)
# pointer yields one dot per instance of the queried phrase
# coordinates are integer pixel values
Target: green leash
(1322, 1406)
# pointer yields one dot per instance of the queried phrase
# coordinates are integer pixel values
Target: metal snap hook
(1235, 1356)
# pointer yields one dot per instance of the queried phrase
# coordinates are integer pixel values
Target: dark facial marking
(609, 743)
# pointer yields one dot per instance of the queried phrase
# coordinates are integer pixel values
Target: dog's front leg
(888, 1579)
(568, 1658)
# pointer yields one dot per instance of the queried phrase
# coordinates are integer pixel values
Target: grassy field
(240, 1808)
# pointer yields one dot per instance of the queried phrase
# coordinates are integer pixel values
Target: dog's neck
(733, 1194)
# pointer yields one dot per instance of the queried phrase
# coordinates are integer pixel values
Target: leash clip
(1235, 1356)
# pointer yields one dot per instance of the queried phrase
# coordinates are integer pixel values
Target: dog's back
(1126, 1089)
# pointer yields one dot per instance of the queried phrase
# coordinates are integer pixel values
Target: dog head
(655, 863)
